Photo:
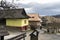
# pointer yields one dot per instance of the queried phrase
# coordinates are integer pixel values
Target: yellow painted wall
(17, 22)
(25, 23)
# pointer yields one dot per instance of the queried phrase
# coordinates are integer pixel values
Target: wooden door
(2, 21)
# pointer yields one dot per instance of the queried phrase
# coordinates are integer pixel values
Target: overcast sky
(43, 7)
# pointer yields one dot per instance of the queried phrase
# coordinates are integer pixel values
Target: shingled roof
(13, 13)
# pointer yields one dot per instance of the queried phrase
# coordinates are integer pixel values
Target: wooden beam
(2, 37)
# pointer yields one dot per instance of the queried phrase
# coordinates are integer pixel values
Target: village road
(44, 36)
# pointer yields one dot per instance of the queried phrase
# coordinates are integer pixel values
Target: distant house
(14, 18)
(35, 20)
(51, 23)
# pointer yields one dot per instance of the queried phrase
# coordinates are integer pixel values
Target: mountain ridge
(56, 16)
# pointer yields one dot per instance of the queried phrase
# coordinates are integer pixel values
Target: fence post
(24, 35)
(34, 35)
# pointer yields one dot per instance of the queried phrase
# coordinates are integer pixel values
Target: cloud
(37, 1)
(45, 9)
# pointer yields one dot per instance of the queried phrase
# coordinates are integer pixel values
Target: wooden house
(35, 20)
(14, 18)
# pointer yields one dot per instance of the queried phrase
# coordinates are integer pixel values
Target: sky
(42, 7)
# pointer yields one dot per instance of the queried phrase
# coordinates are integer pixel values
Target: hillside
(56, 16)
(52, 21)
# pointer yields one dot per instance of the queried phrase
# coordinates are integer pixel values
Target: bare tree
(7, 5)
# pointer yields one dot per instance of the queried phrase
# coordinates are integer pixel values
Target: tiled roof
(34, 17)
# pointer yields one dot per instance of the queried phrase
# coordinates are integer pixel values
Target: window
(32, 17)
(3, 21)
(24, 21)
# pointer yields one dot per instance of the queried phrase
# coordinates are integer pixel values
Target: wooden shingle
(13, 13)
